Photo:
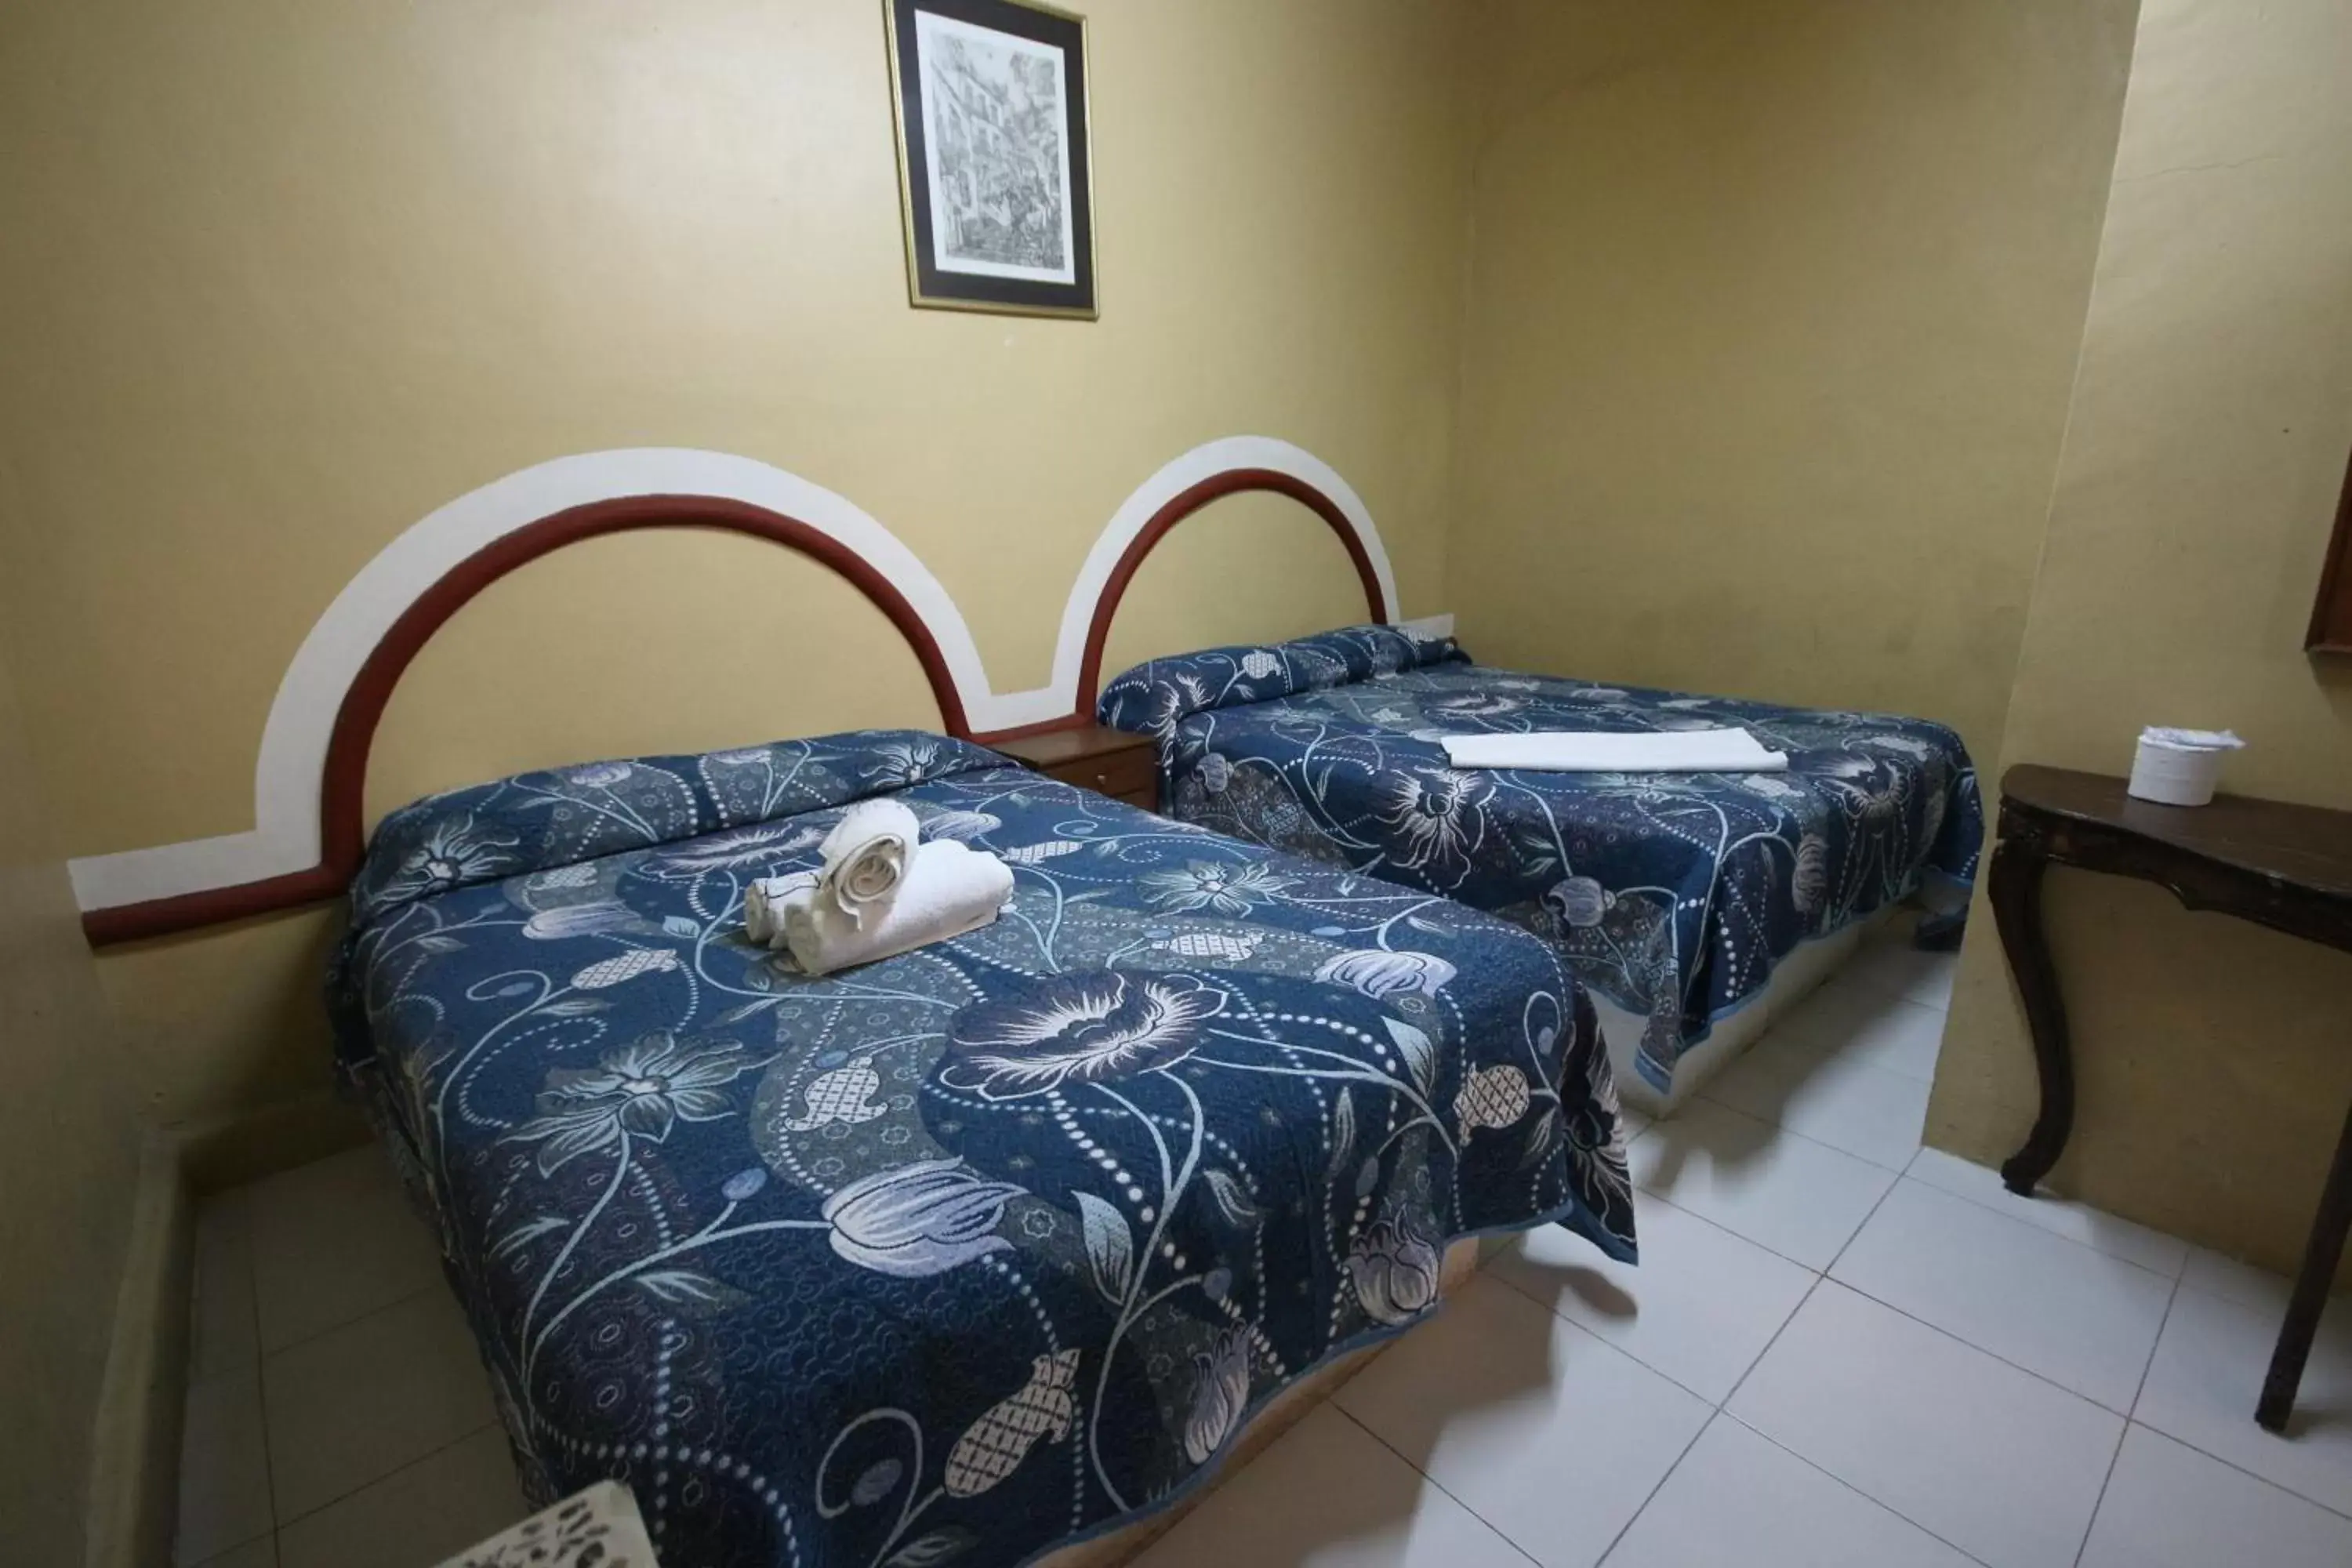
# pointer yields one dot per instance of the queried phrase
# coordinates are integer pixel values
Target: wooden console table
(2285, 867)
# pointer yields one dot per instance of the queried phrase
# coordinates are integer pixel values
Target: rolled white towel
(1571, 751)
(867, 857)
(949, 889)
(764, 897)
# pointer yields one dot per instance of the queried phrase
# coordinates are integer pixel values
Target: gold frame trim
(915, 295)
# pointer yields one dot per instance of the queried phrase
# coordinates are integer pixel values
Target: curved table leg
(2016, 893)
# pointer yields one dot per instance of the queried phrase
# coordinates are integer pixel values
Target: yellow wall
(282, 280)
(1772, 313)
(2205, 450)
(69, 1165)
(296, 277)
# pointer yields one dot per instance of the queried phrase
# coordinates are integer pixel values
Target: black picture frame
(995, 170)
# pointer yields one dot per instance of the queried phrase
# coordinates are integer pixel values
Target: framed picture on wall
(994, 176)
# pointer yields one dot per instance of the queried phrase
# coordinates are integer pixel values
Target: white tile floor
(337, 1416)
(1840, 1349)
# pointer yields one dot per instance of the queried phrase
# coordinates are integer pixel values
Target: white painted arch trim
(291, 767)
(1202, 462)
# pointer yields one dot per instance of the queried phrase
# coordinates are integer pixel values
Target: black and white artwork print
(994, 172)
(999, 165)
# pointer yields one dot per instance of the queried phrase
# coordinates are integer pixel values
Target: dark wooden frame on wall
(928, 286)
(2331, 614)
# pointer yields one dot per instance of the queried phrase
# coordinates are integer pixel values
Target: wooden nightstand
(1116, 763)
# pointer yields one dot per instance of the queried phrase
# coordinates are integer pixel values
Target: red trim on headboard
(342, 828)
(1181, 505)
(212, 907)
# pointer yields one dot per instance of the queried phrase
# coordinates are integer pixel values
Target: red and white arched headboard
(1182, 488)
(310, 775)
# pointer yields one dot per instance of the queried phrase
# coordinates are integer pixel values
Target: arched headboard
(309, 778)
(342, 784)
(1183, 504)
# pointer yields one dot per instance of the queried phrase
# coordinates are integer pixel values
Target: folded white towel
(867, 856)
(1573, 751)
(948, 888)
(764, 897)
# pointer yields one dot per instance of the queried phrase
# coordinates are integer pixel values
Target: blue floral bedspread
(1673, 895)
(957, 1256)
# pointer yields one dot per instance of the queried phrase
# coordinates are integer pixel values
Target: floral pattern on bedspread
(1673, 895)
(954, 1258)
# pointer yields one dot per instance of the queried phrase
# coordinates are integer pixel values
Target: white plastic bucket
(2174, 775)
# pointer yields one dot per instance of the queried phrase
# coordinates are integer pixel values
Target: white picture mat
(989, 46)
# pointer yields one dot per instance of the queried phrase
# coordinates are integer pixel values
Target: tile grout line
(1761, 1247)
(1813, 1052)
(1722, 1406)
(1605, 1347)
(1989, 1354)
(1665, 1475)
(189, 1385)
(315, 1335)
(2178, 1283)
(1543, 1305)
(1746, 1426)
(1821, 1279)
(1822, 1272)
(260, 1372)
(1717, 1409)
(1783, 1127)
(1928, 1185)
(2180, 1287)
(1701, 1094)
(1787, 1133)
(2071, 1240)
(1820, 1276)
(1847, 1245)
(463, 1437)
(260, 1382)
(1901, 1175)
(1331, 1401)
(2255, 1477)
(263, 1357)
(2108, 1409)
(1512, 1285)
(2123, 1436)
(2171, 1299)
